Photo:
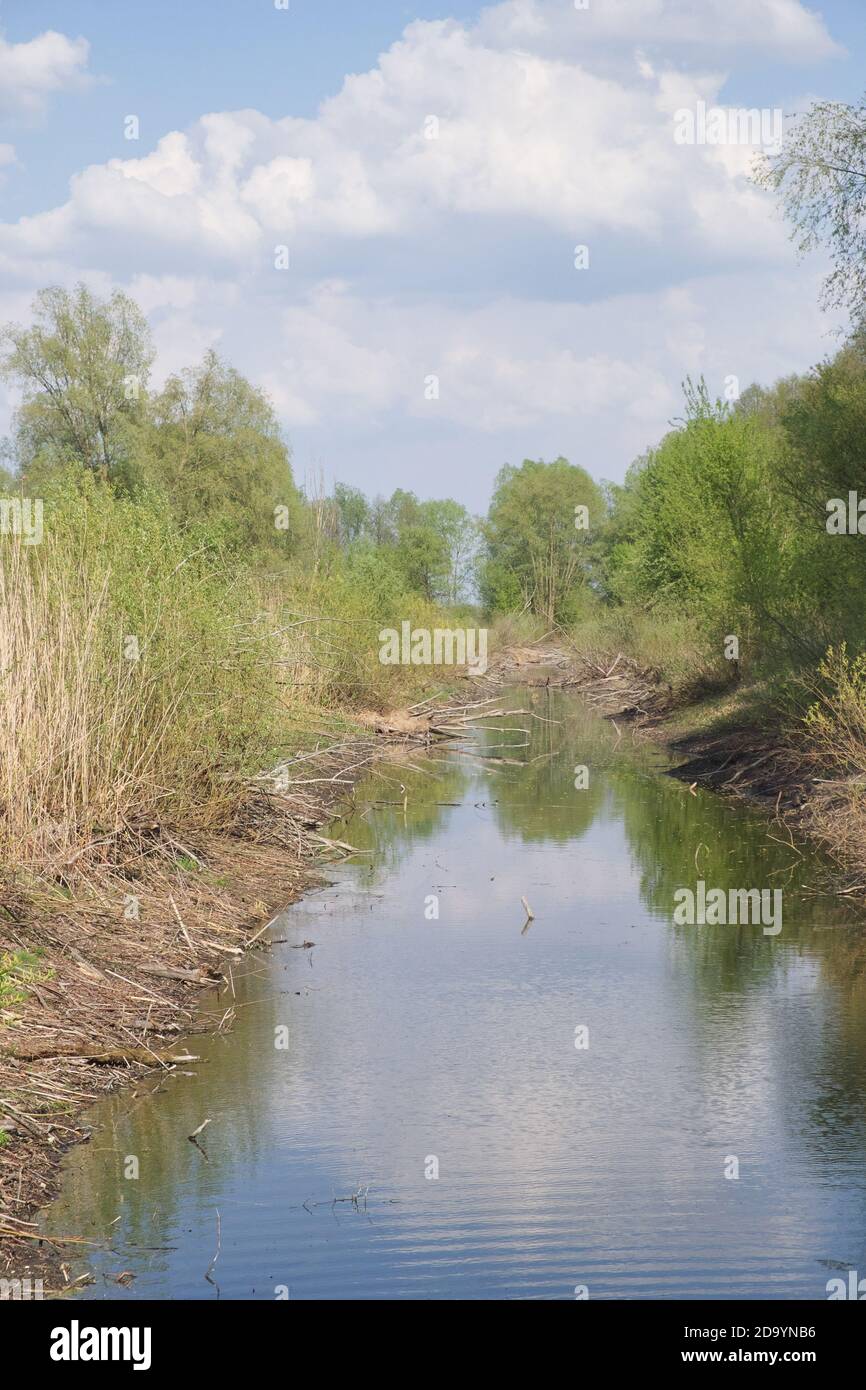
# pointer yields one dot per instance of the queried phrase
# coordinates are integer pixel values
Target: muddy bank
(106, 962)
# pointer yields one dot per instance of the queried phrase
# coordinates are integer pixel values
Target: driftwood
(193, 977)
(108, 1056)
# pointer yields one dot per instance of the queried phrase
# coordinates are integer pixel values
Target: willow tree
(82, 368)
(819, 172)
(215, 447)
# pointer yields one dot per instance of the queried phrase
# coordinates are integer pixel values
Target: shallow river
(520, 1112)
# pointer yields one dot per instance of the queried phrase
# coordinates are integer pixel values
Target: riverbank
(109, 965)
(106, 963)
(421, 1027)
(731, 741)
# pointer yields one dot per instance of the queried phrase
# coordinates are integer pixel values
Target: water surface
(431, 1066)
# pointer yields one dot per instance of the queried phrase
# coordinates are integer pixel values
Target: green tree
(423, 558)
(459, 535)
(823, 457)
(537, 550)
(408, 529)
(703, 530)
(214, 446)
(83, 369)
(353, 513)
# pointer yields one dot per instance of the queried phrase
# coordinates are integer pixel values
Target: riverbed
(424, 1095)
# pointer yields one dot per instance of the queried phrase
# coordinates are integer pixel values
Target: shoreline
(122, 956)
(725, 741)
(111, 994)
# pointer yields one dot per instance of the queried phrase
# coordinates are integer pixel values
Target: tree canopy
(820, 175)
(83, 369)
(538, 535)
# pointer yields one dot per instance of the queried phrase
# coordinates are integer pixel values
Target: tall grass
(145, 671)
(329, 624)
(670, 647)
(836, 718)
(517, 629)
(136, 672)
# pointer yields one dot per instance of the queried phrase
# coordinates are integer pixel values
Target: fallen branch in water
(49, 1240)
(193, 1139)
(219, 1247)
(355, 1198)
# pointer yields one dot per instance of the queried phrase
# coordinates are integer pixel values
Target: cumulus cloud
(32, 71)
(466, 148)
(443, 128)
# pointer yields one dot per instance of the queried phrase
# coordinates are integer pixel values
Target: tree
(83, 369)
(537, 546)
(704, 531)
(407, 527)
(215, 448)
(459, 535)
(353, 513)
(820, 175)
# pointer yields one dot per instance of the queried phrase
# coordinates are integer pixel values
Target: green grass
(18, 969)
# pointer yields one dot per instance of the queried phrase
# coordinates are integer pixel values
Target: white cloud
(784, 29)
(519, 136)
(340, 359)
(31, 72)
(541, 144)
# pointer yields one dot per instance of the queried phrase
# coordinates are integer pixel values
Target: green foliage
(335, 656)
(213, 446)
(700, 529)
(671, 647)
(353, 514)
(18, 970)
(836, 718)
(83, 368)
(433, 544)
(536, 557)
(457, 537)
(208, 444)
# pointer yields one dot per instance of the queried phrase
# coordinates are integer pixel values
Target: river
(596, 1103)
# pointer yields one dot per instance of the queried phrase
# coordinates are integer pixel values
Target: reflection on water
(418, 1045)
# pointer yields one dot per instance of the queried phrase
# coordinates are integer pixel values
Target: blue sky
(413, 257)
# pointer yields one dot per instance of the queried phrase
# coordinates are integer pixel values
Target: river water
(600, 1103)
